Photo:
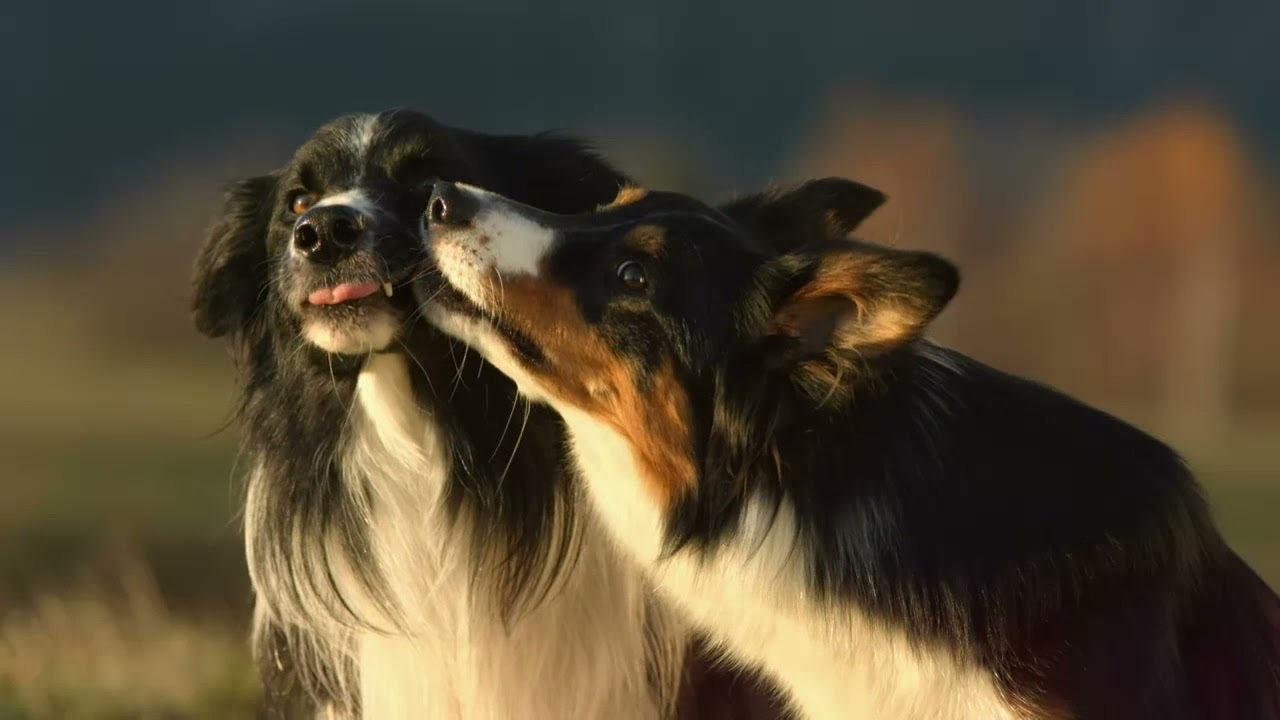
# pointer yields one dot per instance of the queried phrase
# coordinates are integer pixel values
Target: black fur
(1064, 550)
(296, 397)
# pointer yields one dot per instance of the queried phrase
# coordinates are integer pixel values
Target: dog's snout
(450, 205)
(327, 234)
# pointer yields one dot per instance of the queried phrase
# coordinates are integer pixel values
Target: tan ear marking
(861, 300)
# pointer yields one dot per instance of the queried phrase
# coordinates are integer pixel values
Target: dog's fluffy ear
(825, 209)
(231, 268)
(841, 302)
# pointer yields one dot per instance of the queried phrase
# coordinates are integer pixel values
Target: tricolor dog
(890, 529)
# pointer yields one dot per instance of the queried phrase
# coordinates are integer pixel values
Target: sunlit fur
(414, 550)
(889, 528)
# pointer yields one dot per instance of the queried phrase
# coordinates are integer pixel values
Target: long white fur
(356, 199)
(375, 335)
(751, 594)
(584, 653)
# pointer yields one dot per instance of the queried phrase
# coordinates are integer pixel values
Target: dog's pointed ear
(231, 267)
(847, 299)
(823, 209)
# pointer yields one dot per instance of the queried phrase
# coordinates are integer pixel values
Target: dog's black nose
(451, 205)
(327, 234)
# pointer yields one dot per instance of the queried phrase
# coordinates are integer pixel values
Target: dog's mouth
(351, 316)
(446, 301)
(443, 294)
(349, 292)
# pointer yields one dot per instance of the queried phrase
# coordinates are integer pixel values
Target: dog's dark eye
(302, 202)
(632, 275)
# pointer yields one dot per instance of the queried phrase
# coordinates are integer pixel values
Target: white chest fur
(833, 661)
(582, 654)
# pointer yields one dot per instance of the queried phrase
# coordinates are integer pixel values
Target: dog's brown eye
(302, 202)
(631, 273)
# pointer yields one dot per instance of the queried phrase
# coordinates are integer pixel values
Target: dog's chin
(463, 321)
(446, 297)
(360, 333)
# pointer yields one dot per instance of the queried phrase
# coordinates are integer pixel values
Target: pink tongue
(343, 293)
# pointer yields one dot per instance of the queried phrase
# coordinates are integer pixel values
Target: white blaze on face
(500, 243)
(355, 199)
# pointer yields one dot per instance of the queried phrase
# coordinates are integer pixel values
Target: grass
(107, 448)
(110, 647)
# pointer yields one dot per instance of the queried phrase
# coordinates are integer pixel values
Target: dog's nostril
(438, 209)
(305, 237)
(451, 205)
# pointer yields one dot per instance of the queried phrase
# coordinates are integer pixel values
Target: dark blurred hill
(97, 94)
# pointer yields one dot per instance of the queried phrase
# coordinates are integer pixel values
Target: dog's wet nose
(451, 205)
(326, 234)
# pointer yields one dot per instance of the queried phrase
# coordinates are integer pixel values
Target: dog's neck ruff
(439, 646)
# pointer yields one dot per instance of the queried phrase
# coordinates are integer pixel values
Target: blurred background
(1106, 174)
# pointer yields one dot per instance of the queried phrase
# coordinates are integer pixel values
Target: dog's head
(321, 248)
(635, 316)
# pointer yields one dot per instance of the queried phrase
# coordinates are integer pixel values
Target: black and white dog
(413, 549)
(890, 529)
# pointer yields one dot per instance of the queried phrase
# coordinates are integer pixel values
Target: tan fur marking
(650, 239)
(587, 373)
(885, 321)
(627, 195)
(835, 228)
(855, 302)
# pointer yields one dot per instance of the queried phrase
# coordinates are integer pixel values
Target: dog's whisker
(337, 393)
(426, 375)
(457, 376)
(524, 424)
(505, 427)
